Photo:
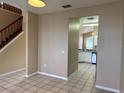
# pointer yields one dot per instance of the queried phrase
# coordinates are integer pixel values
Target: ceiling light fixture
(36, 3)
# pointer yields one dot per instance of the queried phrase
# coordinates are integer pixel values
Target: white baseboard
(122, 91)
(11, 42)
(12, 72)
(27, 76)
(51, 75)
(108, 89)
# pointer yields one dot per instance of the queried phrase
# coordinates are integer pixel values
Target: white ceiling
(55, 5)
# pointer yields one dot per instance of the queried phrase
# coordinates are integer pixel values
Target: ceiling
(55, 5)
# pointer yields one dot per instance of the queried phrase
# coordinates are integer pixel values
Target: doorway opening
(88, 40)
(82, 50)
(88, 43)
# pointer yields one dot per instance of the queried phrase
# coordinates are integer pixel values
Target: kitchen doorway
(88, 44)
(88, 40)
(82, 48)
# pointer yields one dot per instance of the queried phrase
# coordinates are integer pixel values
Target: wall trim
(122, 92)
(51, 75)
(108, 89)
(11, 42)
(26, 43)
(30, 75)
(12, 72)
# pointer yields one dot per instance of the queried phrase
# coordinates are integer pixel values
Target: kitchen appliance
(94, 58)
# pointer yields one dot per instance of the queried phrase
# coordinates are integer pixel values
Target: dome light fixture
(36, 3)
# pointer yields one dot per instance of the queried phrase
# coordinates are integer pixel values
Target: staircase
(8, 33)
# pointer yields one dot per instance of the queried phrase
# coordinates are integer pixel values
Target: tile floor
(81, 81)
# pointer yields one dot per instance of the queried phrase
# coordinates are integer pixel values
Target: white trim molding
(51, 75)
(122, 92)
(11, 42)
(108, 89)
(27, 76)
(12, 72)
(26, 43)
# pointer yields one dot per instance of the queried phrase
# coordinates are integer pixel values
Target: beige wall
(53, 44)
(122, 64)
(53, 39)
(6, 18)
(13, 57)
(32, 42)
(73, 40)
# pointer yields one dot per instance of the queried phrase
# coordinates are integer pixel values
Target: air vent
(90, 18)
(66, 6)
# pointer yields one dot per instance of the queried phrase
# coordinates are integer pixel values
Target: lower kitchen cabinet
(85, 57)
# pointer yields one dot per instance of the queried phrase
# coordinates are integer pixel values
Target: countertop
(87, 50)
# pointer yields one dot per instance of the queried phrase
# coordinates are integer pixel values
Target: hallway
(82, 81)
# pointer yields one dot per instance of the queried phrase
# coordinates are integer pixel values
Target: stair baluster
(10, 32)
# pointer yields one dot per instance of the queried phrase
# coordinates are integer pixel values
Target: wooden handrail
(9, 32)
(10, 8)
(11, 23)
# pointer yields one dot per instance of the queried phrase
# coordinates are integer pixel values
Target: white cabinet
(88, 56)
(81, 56)
(84, 57)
